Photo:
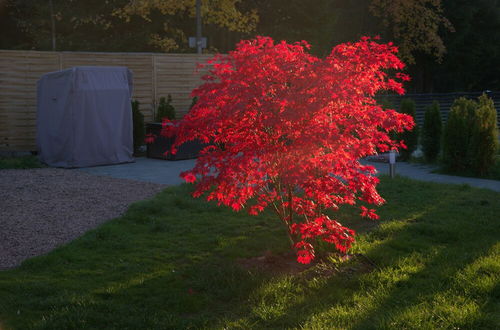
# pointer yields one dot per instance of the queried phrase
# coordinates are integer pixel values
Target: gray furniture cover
(84, 117)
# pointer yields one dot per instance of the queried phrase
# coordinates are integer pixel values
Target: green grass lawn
(172, 262)
(23, 162)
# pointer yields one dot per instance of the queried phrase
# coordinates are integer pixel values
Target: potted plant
(158, 145)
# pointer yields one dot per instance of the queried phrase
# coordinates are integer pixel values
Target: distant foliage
(165, 109)
(414, 25)
(483, 144)
(409, 138)
(431, 132)
(224, 15)
(138, 125)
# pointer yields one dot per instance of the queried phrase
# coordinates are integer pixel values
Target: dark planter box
(157, 149)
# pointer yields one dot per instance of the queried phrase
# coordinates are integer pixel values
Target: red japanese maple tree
(287, 129)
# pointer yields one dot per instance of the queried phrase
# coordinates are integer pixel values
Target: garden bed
(162, 144)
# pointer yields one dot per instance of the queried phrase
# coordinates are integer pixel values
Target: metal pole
(392, 164)
(198, 26)
(53, 23)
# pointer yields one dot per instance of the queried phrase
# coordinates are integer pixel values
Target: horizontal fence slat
(155, 75)
(422, 101)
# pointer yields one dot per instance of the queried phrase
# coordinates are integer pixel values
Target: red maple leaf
(287, 130)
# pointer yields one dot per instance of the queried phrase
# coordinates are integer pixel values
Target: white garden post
(392, 163)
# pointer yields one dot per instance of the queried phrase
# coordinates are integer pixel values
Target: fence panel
(19, 72)
(155, 75)
(177, 76)
(422, 101)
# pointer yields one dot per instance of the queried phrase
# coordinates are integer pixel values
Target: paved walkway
(167, 172)
(145, 169)
(423, 172)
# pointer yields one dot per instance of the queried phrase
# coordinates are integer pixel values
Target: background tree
(224, 14)
(472, 62)
(457, 135)
(410, 137)
(324, 23)
(483, 145)
(80, 25)
(431, 132)
(413, 25)
(122, 25)
(466, 58)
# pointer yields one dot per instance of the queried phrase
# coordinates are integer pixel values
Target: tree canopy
(277, 121)
(449, 44)
(221, 13)
(413, 25)
(120, 25)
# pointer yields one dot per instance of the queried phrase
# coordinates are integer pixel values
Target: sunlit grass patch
(433, 261)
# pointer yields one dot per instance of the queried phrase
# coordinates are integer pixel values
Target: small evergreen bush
(470, 142)
(138, 125)
(483, 143)
(386, 104)
(165, 109)
(410, 138)
(457, 134)
(193, 102)
(431, 132)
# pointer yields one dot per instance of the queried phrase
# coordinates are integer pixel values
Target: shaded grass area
(23, 162)
(172, 262)
(494, 173)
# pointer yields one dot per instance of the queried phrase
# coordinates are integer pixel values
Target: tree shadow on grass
(166, 262)
(489, 317)
(431, 287)
(420, 256)
(148, 270)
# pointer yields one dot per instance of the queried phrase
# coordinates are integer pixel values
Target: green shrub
(386, 104)
(193, 102)
(470, 140)
(410, 138)
(138, 125)
(457, 134)
(22, 162)
(431, 132)
(483, 144)
(165, 109)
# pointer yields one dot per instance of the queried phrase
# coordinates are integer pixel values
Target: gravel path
(41, 209)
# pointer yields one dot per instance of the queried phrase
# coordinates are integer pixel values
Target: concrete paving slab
(424, 173)
(145, 169)
(167, 172)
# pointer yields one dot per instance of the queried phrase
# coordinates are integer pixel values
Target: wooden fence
(155, 75)
(445, 101)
